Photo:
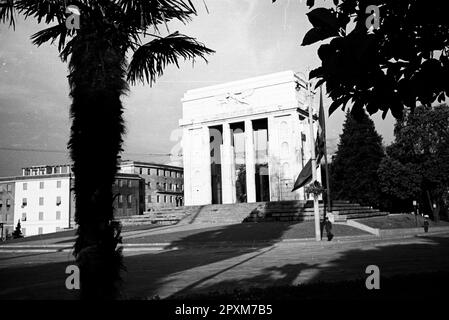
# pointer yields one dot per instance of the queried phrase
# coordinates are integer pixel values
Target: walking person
(426, 223)
(328, 228)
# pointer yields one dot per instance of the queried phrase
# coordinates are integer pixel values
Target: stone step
(291, 210)
(363, 215)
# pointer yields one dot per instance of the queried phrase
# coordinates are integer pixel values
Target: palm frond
(149, 60)
(144, 13)
(50, 10)
(7, 11)
(51, 34)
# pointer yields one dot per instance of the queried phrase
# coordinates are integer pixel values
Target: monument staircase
(279, 211)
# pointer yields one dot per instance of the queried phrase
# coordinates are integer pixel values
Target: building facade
(163, 184)
(245, 141)
(129, 195)
(44, 202)
(7, 192)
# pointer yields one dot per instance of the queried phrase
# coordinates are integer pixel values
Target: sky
(250, 37)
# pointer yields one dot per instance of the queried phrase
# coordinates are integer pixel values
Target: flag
(304, 177)
(320, 142)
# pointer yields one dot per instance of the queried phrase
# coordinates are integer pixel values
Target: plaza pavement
(174, 269)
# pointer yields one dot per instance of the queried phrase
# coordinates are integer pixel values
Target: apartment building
(163, 184)
(129, 195)
(7, 188)
(44, 202)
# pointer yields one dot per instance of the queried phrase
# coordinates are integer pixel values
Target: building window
(171, 199)
(24, 202)
(40, 230)
(120, 183)
(41, 185)
(149, 184)
(165, 186)
(25, 186)
(24, 231)
(120, 198)
(130, 183)
(141, 170)
(41, 216)
(130, 199)
(41, 201)
(58, 200)
(24, 216)
(149, 198)
(158, 198)
(9, 187)
(165, 199)
(58, 229)
(58, 184)
(8, 203)
(58, 215)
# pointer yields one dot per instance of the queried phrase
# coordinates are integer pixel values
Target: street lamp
(415, 205)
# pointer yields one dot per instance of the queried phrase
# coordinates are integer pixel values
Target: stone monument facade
(245, 141)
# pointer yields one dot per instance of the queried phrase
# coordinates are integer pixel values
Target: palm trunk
(97, 73)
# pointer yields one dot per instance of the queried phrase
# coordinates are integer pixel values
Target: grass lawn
(422, 286)
(398, 221)
(247, 232)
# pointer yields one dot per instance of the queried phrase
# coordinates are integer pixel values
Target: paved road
(205, 268)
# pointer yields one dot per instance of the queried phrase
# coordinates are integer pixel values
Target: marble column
(250, 162)
(206, 195)
(227, 154)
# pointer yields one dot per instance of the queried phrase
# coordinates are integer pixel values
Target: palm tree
(110, 31)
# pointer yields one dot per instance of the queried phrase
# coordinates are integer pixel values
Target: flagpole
(313, 157)
(328, 186)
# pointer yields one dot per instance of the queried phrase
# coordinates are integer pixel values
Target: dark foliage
(17, 233)
(354, 167)
(417, 166)
(404, 61)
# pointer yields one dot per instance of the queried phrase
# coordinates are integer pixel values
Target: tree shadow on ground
(427, 262)
(39, 280)
(147, 273)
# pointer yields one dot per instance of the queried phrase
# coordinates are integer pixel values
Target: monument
(245, 141)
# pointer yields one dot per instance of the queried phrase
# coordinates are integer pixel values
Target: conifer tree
(354, 166)
(17, 233)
